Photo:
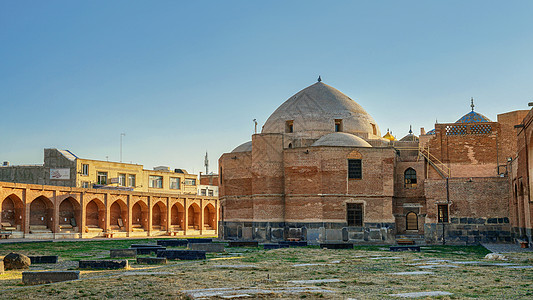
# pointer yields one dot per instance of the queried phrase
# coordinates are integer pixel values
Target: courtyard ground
(366, 272)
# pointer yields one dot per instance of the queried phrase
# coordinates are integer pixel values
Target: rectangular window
(442, 211)
(289, 126)
(355, 169)
(122, 179)
(85, 169)
(354, 214)
(102, 178)
(210, 193)
(131, 180)
(203, 192)
(85, 184)
(155, 182)
(190, 181)
(338, 125)
(174, 183)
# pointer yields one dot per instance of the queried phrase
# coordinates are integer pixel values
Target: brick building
(320, 170)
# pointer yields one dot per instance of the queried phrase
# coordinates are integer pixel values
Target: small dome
(243, 147)
(431, 132)
(473, 117)
(409, 138)
(389, 136)
(315, 110)
(341, 139)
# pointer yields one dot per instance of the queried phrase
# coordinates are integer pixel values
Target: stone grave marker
(42, 277)
(103, 264)
(43, 259)
(120, 253)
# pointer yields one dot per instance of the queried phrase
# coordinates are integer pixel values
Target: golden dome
(389, 136)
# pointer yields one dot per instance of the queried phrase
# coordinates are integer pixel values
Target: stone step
(137, 230)
(39, 231)
(38, 227)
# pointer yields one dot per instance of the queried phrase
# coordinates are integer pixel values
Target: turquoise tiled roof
(473, 117)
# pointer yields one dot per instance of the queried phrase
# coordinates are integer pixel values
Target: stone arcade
(40, 211)
(321, 171)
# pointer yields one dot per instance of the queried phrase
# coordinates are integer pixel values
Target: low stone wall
(469, 231)
(42, 277)
(212, 247)
(103, 264)
(43, 259)
(314, 233)
(118, 253)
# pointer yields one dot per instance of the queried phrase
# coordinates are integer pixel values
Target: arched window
(411, 221)
(409, 178)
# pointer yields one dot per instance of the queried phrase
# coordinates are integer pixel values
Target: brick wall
(478, 210)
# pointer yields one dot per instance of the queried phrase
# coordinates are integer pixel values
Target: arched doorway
(159, 219)
(193, 215)
(12, 215)
(177, 217)
(139, 215)
(41, 212)
(118, 213)
(95, 216)
(69, 212)
(411, 221)
(210, 217)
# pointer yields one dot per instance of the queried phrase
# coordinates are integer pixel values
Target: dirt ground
(291, 273)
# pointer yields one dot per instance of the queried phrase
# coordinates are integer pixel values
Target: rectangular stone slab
(173, 243)
(143, 245)
(196, 241)
(212, 247)
(336, 246)
(103, 264)
(32, 278)
(243, 243)
(149, 250)
(151, 260)
(404, 248)
(43, 259)
(182, 254)
(117, 253)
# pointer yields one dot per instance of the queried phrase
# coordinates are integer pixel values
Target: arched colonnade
(55, 214)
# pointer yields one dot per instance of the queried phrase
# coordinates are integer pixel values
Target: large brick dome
(315, 111)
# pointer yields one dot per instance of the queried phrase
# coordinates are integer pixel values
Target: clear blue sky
(183, 77)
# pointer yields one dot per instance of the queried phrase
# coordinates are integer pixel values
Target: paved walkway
(506, 248)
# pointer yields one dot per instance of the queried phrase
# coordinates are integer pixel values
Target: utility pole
(206, 164)
(121, 135)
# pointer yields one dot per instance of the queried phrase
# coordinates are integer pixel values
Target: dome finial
(319, 79)
(410, 129)
(472, 103)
